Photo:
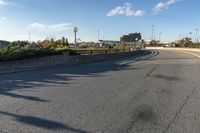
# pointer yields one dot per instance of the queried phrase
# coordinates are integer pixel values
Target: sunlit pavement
(160, 94)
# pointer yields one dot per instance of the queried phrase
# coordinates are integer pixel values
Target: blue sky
(113, 18)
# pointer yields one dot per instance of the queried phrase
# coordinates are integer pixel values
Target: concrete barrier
(56, 60)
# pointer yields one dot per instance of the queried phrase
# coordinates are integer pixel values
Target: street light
(160, 36)
(152, 33)
(98, 35)
(196, 36)
(75, 31)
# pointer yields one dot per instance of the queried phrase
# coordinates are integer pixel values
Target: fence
(81, 57)
(102, 51)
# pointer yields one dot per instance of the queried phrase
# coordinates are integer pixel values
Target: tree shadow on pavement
(16, 85)
(31, 98)
(42, 123)
(32, 80)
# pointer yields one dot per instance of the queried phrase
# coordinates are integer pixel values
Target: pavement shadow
(42, 123)
(32, 80)
(31, 98)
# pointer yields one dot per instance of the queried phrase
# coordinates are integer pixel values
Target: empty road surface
(158, 92)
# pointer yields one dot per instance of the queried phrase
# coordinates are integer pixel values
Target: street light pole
(29, 37)
(75, 32)
(160, 36)
(190, 35)
(196, 36)
(75, 38)
(98, 35)
(152, 33)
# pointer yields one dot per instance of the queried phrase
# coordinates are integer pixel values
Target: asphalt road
(160, 94)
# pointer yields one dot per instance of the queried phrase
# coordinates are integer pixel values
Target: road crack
(179, 110)
(149, 74)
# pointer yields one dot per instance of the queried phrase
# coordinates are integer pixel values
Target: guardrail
(102, 51)
(83, 57)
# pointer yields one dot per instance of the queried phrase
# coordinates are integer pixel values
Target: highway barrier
(64, 59)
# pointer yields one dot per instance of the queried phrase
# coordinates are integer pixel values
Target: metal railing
(102, 51)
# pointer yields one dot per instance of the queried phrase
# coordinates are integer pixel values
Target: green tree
(63, 41)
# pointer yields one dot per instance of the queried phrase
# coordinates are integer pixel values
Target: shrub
(10, 52)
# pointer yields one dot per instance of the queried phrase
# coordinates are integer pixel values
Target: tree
(63, 41)
(185, 42)
(52, 41)
(20, 43)
(46, 43)
(153, 43)
(67, 42)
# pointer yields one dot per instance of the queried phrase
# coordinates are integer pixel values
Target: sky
(112, 18)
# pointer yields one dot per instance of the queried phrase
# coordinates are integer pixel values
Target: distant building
(129, 39)
(109, 42)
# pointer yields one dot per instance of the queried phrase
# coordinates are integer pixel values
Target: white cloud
(163, 5)
(60, 27)
(140, 13)
(2, 2)
(37, 26)
(126, 10)
(10, 3)
(2, 18)
(48, 28)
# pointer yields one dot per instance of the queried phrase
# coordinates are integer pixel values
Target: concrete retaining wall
(50, 61)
